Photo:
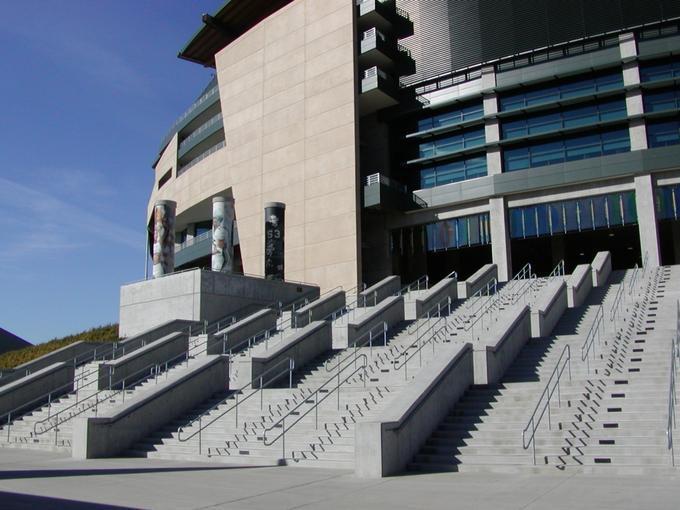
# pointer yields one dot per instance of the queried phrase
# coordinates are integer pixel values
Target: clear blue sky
(87, 91)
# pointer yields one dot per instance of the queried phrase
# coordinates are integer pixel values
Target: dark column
(274, 213)
(164, 238)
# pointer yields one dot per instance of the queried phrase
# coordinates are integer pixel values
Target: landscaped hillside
(108, 333)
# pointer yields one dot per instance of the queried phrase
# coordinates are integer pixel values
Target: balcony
(203, 132)
(378, 91)
(386, 16)
(193, 249)
(378, 50)
(383, 193)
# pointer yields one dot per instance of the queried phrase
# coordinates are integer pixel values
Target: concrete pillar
(500, 238)
(274, 229)
(647, 224)
(164, 238)
(223, 235)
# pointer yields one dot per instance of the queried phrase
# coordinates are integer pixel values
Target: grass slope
(101, 334)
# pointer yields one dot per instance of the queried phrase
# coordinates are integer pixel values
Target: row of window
(663, 71)
(561, 91)
(565, 118)
(459, 141)
(606, 211)
(453, 172)
(661, 101)
(668, 202)
(451, 118)
(458, 233)
(567, 149)
(660, 134)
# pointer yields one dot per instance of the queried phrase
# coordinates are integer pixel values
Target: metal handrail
(452, 274)
(251, 341)
(153, 369)
(438, 327)
(425, 279)
(614, 310)
(360, 342)
(534, 422)
(442, 304)
(491, 283)
(593, 333)
(558, 270)
(281, 422)
(675, 354)
(289, 370)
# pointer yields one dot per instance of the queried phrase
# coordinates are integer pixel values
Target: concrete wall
(152, 334)
(319, 309)
(579, 285)
(65, 354)
(57, 377)
(477, 281)
(128, 367)
(602, 268)
(374, 294)
(287, 93)
(548, 308)
(122, 426)
(302, 346)
(385, 444)
(242, 331)
(198, 296)
(506, 339)
(446, 288)
(390, 310)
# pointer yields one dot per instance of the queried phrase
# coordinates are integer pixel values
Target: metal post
(338, 389)
(200, 433)
(236, 410)
(261, 393)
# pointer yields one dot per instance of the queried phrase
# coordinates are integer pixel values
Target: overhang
(232, 20)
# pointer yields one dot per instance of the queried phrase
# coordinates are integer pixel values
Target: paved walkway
(30, 479)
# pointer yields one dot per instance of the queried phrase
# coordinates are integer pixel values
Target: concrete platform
(31, 479)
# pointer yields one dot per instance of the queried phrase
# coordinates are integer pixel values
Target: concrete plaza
(30, 479)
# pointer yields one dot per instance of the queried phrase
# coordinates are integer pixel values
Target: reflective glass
(600, 211)
(664, 202)
(570, 217)
(614, 207)
(463, 239)
(660, 134)
(530, 221)
(585, 214)
(542, 218)
(473, 222)
(516, 225)
(629, 209)
(556, 218)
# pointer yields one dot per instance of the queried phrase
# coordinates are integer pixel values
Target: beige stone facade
(288, 98)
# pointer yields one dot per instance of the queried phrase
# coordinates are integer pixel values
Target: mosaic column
(164, 237)
(274, 215)
(223, 235)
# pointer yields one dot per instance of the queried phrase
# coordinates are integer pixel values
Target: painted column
(647, 224)
(164, 237)
(223, 235)
(500, 238)
(274, 229)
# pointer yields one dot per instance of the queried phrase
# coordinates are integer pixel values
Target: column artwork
(223, 235)
(274, 228)
(164, 238)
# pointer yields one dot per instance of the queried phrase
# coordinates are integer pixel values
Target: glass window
(570, 216)
(473, 227)
(463, 238)
(458, 232)
(428, 178)
(600, 216)
(659, 101)
(453, 172)
(516, 223)
(662, 71)
(556, 218)
(516, 159)
(665, 202)
(614, 209)
(585, 214)
(615, 141)
(530, 228)
(629, 209)
(543, 223)
(660, 134)
(453, 117)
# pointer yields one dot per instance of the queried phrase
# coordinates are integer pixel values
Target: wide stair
(612, 411)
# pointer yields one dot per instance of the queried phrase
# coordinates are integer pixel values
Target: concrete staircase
(325, 439)
(612, 412)
(86, 400)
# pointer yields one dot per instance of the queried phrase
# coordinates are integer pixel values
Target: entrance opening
(465, 261)
(669, 241)
(578, 248)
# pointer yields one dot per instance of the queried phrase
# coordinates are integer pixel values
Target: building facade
(417, 137)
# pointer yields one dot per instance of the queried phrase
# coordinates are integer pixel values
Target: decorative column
(223, 235)
(274, 213)
(164, 237)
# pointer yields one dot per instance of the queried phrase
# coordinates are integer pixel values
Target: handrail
(153, 369)
(358, 342)
(535, 422)
(281, 422)
(289, 370)
(425, 279)
(675, 354)
(636, 271)
(593, 332)
(420, 345)
(439, 306)
(614, 310)
(491, 283)
(452, 274)
(558, 270)
(251, 341)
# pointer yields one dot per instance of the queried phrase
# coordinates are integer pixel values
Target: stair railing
(373, 335)
(310, 314)
(490, 288)
(422, 283)
(675, 354)
(251, 341)
(152, 370)
(544, 400)
(558, 270)
(595, 332)
(618, 298)
(437, 310)
(332, 385)
(436, 331)
(289, 364)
